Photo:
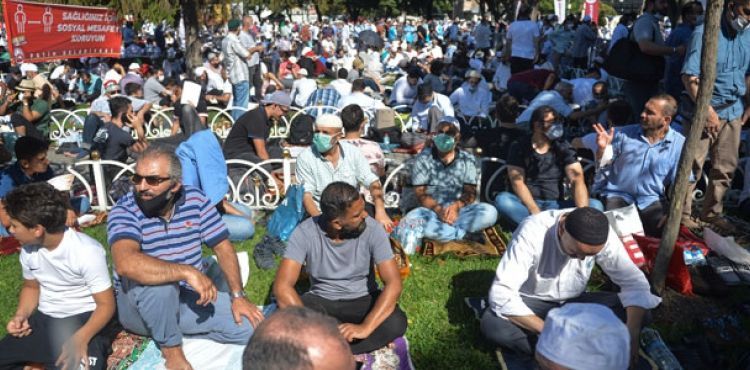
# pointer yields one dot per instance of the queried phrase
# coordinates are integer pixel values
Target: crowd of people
(533, 93)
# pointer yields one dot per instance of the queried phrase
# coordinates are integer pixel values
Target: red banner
(39, 32)
(591, 8)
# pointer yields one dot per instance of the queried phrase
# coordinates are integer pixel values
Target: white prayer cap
(199, 71)
(585, 336)
(329, 120)
(303, 72)
(28, 67)
(134, 67)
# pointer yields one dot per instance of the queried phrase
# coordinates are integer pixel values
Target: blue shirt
(672, 80)
(733, 59)
(13, 176)
(203, 165)
(548, 97)
(641, 172)
(444, 183)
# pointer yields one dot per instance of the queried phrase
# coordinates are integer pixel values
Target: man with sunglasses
(248, 138)
(547, 265)
(445, 185)
(721, 136)
(155, 233)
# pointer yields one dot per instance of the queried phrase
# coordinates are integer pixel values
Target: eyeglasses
(150, 180)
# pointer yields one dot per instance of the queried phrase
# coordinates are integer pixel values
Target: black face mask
(155, 206)
(353, 233)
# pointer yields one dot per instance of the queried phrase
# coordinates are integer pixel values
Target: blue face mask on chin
(444, 143)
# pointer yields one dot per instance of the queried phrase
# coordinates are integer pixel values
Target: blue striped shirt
(195, 221)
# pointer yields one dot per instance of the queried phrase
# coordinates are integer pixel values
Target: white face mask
(740, 23)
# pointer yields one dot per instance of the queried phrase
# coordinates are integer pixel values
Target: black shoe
(263, 257)
(477, 236)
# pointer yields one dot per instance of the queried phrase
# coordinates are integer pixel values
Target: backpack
(301, 130)
(627, 61)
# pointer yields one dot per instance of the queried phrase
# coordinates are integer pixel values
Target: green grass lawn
(443, 333)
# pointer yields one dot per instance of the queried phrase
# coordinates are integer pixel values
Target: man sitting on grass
(66, 299)
(339, 248)
(155, 233)
(548, 264)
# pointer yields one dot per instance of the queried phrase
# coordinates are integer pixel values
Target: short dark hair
(413, 73)
(436, 67)
(424, 90)
(358, 85)
(342, 73)
(38, 203)
(275, 353)
(337, 197)
(131, 88)
(539, 113)
(352, 117)
(619, 113)
(119, 105)
(670, 103)
(28, 147)
(508, 108)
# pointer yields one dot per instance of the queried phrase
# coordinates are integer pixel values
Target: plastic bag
(626, 223)
(678, 275)
(727, 247)
(288, 214)
(409, 233)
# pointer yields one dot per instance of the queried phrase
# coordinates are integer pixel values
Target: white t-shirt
(522, 34)
(68, 275)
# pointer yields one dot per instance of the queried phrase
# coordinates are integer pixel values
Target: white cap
(199, 71)
(585, 336)
(472, 73)
(479, 54)
(329, 120)
(293, 60)
(303, 71)
(28, 67)
(306, 50)
(134, 66)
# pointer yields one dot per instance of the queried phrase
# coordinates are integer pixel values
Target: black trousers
(505, 334)
(256, 80)
(45, 342)
(354, 311)
(520, 64)
(650, 216)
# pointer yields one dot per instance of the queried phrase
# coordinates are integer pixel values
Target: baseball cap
(278, 98)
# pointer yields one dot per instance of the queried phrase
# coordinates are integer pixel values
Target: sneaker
(277, 246)
(477, 305)
(723, 267)
(263, 257)
(743, 271)
(720, 224)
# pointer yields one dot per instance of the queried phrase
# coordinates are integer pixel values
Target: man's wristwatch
(239, 294)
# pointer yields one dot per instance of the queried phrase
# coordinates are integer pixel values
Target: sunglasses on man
(152, 180)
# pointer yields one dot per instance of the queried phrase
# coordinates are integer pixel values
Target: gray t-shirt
(339, 271)
(151, 90)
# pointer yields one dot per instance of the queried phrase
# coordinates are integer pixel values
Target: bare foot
(175, 358)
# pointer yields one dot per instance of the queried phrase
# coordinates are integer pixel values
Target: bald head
(247, 22)
(297, 338)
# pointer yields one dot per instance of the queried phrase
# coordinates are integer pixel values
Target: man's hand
(354, 331)
(203, 286)
(450, 213)
(74, 350)
(382, 217)
(242, 307)
(19, 326)
(71, 220)
(135, 120)
(603, 137)
(713, 123)
(745, 116)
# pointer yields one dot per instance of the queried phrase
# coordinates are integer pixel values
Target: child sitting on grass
(66, 299)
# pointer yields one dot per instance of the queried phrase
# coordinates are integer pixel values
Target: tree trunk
(703, 100)
(192, 42)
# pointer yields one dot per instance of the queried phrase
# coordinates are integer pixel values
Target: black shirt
(118, 142)
(543, 172)
(254, 124)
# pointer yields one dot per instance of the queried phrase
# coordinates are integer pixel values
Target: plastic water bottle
(658, 351)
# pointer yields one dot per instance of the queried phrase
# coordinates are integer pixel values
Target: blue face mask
(322, 142)
(444, 142)
(555, 131)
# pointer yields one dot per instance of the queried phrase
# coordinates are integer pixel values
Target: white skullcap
(293, 60)
(585, 336)
(328, 120)
(472, 73)
(303, 71)
(134, 67)
(28, 67)
(199, 71)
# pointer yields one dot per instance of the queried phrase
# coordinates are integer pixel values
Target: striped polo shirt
(195, 221)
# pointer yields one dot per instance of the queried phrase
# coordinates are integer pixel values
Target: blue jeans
(240, 227)
(167, 312)
(472, 218)
(510, 207)
(241, 93)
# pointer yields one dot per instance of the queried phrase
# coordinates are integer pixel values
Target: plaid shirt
(328, 97)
